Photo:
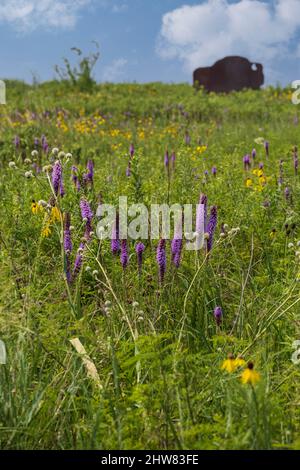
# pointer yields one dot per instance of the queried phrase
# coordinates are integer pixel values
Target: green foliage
(156, 348)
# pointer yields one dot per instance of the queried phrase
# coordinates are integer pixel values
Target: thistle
(161, 258)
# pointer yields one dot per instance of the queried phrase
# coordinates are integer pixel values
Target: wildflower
(34, 153)
(287, 193)
(214, 171)
(115, 242)
(161, 258)
(249, 375)
(17, 141)
(218, 313)
(55, 214)
(12, 165)
(86, 211)
(139, 249)
(128, 170)
(253, 154)
(56, 176)
(261, 165)
(176, 248)
(187, 138)
(78, 260)
(166, 159)
(46, 231)
(266, 145)
(89, 176)
(296, 161)
(246, 161)
(229, 364)
(248, 182)
(239, 362)
(272, 233)
(211, 227)
(131, 150)
(124, 254)
(28, 174)
(35, 207)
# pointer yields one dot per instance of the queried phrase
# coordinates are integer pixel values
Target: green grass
(157, 350)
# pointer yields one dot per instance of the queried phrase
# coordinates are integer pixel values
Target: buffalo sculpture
(228, 74)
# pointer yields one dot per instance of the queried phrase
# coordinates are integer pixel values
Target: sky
(149, 40)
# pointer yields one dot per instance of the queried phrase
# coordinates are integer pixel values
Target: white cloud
(119, 8)
(115, 71)
(27, 15)
(199, 35)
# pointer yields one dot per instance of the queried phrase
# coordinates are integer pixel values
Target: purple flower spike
(128, 170)
(124, 254)
(131, 150)
(214, 171)
(211, 227)
(246, 161)
(218, 314)
(287, 193)
(139, 249)
(17, 141)
(296, 161)
(166, 160)
(161, 258)
(89, 176)
(36, 142)
(266, 145)
(78, 260)
(261, 165)
(86, 211)
(115, 242)
(176, 248)
(253, 154)
(56, 176)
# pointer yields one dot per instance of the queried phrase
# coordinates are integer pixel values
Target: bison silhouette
(228, 74)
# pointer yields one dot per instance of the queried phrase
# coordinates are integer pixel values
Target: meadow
(131, 349)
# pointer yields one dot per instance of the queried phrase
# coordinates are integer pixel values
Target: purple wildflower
(115, 242)
(56, 176)
(287, 193)
(218, 314)
(253, 154)
(89, 176)
(266, 145)
(187, 138)
(260, 166)
(36, 142)
(161, 258)
(246, 161)
(78, 260)
(139, 249)
(296, 161)
(214, 171)
(176, 248)
(17, 141)
(211, 227)
(166, 160)
(128, 170)
(124, 253)
(86, 211)
(131, 150)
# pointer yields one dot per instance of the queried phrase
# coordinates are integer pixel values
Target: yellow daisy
(239, 362)
(229, 364)
(249, 375)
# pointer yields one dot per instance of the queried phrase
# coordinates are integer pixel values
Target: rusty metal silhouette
(229, 74)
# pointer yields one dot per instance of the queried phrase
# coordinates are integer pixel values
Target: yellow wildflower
(55, 214)
(272, 233)
(249, 375)
(248, 182)
(46, 231)
(35, 207)
(229, 364)
(239, 362)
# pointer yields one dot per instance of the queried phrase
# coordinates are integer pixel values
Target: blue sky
(149, 40)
